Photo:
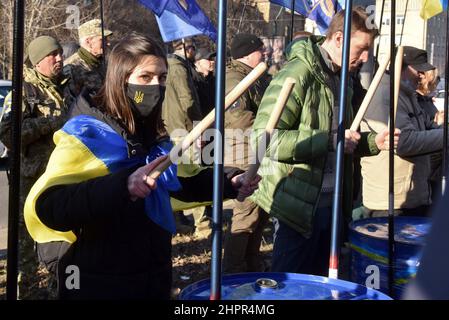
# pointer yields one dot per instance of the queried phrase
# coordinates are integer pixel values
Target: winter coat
(119, 251)
(419, 137)
(239, 117)
(292, 172)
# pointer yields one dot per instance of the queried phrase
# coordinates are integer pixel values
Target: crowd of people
(93, 130)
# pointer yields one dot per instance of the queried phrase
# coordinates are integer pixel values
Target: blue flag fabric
(172, 27)
(178, 20)
(321, 11)
(157, 204)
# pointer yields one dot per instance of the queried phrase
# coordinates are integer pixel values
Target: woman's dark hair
(123, 59)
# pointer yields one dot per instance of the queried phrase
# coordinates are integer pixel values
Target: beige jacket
(419, 137)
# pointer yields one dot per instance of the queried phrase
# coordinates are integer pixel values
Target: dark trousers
(292, 252)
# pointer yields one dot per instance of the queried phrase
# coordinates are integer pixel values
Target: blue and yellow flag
(321, 11)
(431, 8)
(87, 148)
(179, 19)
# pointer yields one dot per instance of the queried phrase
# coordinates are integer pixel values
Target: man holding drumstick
(420, 136)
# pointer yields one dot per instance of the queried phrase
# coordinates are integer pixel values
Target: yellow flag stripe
(430, 8)
(70, 162)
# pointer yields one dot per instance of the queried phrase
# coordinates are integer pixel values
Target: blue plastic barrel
(368, 239)
(281, 286)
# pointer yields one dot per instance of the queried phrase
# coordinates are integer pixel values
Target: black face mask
(146, 98)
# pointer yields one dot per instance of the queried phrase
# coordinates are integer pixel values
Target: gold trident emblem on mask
(138, 97)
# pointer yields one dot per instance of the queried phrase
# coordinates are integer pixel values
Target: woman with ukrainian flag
(95, 210)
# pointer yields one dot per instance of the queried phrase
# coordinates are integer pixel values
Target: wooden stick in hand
(198, 130)
(370, 93)
(287, 88)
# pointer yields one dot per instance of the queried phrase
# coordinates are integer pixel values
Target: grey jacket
(419, 137)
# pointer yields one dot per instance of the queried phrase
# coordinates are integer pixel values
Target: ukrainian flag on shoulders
(87, 148)
(431, 8)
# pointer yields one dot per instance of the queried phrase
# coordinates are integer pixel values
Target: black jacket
(120, 252)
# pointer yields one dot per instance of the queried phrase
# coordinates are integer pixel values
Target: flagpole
(241, 17)
(445, 128)
(293, 19)
(391, 244)
(103, 42)
(217, 212)
(14, 187)
(380, 35)
(184, 48)
(339, 168)
(403, 23)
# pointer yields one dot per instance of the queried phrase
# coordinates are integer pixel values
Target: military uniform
(83, 68)
(242, 244)
(242, 113)
(181, 106)
(180, 109)
(44, 112)
(85, 71)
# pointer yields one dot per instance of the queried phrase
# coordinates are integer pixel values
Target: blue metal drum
(369, 250)
(282, 286)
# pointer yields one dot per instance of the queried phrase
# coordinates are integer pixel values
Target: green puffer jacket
(292, 171)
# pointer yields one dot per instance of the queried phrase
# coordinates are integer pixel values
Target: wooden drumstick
(287, 88)
(198, 130)
(370, 93)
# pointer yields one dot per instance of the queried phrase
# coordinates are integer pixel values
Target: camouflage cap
(92, 28)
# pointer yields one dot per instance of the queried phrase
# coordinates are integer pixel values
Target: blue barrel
(368, 240)
(281, 286)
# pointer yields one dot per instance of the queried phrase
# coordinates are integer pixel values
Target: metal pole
(293, 19)
(445, 128)
(339, 168)
(14, 187)
(215, 293)
(103, 40)
(380, 35)
(403, 23)
(391, 246)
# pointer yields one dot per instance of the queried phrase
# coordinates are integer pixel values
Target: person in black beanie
(242, 243)
(244, 44)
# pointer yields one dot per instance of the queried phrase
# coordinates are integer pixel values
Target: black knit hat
(243, 44)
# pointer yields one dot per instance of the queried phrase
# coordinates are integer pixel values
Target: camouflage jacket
(240, 116)
(85, 71)
(44, 108)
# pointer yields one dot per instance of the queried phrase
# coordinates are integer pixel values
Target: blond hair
(429, 82)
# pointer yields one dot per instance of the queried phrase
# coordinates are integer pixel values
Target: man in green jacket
(242, 243)
(45, 104)
(298, 173)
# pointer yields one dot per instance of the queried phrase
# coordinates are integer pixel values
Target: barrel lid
(410, 230)
(282, 286)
